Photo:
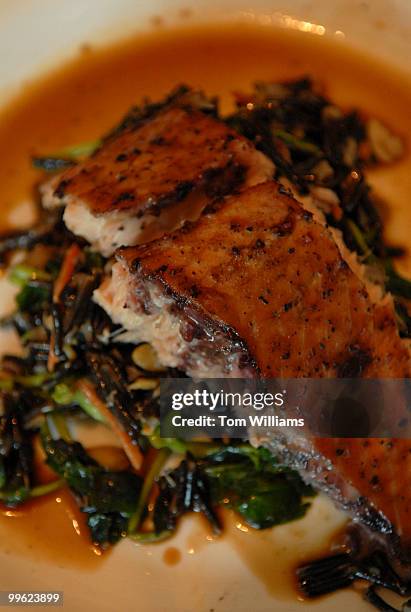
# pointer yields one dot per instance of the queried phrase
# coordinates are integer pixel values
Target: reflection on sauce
(52, 527)
(202, 535)
(86, 98)
(172, 556)
(273, 555)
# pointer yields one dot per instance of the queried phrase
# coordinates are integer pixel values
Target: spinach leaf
(108, 498)
(33, 296)
(256, 486)
(107, 528)
(260, 458)
(261, 490)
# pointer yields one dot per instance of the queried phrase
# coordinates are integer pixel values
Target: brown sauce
(172, 556)
(88, 96)
(52, 527)
(272, 555)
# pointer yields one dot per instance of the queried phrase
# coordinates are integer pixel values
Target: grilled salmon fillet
(257, 288)
(258, 273)
(158, 171)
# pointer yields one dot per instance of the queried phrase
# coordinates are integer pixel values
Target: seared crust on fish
(153, 175)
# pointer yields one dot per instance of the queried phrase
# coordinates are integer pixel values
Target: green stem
(203, 449)
(83, 149)
(198, 449)
(30, 381)
(150, 537)
(154, 470)
(296, 143)
(45, 489)
(173, 444)
(64, 396)
(360, 240)
(38, 491)
(21, 274)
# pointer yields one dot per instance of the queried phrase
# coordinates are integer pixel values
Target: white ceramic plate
(211, 575)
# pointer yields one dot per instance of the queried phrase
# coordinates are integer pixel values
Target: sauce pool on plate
(51, 527)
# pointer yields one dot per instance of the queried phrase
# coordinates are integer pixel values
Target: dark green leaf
(279, 503)
(256, 486)
(107, 528)
(109, 498)
(33, 296)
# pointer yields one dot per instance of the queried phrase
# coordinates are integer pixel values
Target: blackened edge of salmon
(190, 309)
(192, 314)
(139, 115)
(372, 523)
